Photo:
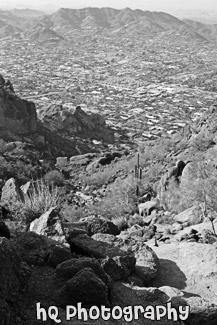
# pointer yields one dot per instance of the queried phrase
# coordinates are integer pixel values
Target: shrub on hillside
(40, 199)
(54, 177)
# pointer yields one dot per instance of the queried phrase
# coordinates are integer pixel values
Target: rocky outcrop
(16, 115)
(76, 122)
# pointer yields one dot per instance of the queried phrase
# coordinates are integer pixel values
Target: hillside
(108, 168)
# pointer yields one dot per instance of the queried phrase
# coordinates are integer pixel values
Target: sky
(157, 5)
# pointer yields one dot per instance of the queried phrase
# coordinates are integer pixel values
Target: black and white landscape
(108, 169)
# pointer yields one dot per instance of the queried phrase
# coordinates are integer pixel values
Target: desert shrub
(40, 199)
(121, 222)
(99, 178)
(202, 142)
(54, 177)
(72, 213)
(135, 220)
(120, 199)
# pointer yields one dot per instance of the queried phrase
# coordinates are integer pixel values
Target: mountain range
(98, 20)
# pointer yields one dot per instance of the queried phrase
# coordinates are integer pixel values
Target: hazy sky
(140, 4)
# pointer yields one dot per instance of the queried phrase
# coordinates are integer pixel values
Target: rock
(4, 230)
(86, 282)
(99, 225)
(146, 208)
(149, 232)
(26, 188)
(199, 228)
(61, 162)
(50, 225)
(39, 250)
(147, 263)
(176, 227)
(85, 287)
(74, 232)
(71, 267)
(85, 245)
(208, 237)
(4, 213)
(200, 311)
(136, 230)
(17, 115)
(82, 160)
(10, 265)
(192, 215)
(190, 267)
(11, 192)
(118, 268)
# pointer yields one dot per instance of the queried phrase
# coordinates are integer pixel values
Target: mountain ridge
(93, 19)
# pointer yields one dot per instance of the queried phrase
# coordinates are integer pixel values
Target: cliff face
(16, 115)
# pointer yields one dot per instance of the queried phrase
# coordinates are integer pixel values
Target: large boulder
(84, 245)
(190, 267)
(86, 282)
(50, 225)
(147, 263)
(191, 216)
(40, 250)
(14, 276)
(11, 192)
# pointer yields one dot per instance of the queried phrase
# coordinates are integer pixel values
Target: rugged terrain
(107, 164)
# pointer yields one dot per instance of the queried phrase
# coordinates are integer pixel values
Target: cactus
(138, 174)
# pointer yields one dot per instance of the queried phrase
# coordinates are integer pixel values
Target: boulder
(146, 208)
(50, 225)
(147, 263)
(84, 245)
(40, 250)
(14, 278)
(86, 287)
(192, 216)
(4, 230)
(190, 267)
(82, 160)
(11, 192)
(61, 161)
(103, 226)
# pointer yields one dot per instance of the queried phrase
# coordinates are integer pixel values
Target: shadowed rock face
(76, 122)
(16, 115)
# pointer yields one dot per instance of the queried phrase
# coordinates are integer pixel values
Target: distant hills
(27, 13)
(97, 20)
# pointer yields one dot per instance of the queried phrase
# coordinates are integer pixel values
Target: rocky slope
(58, 131)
